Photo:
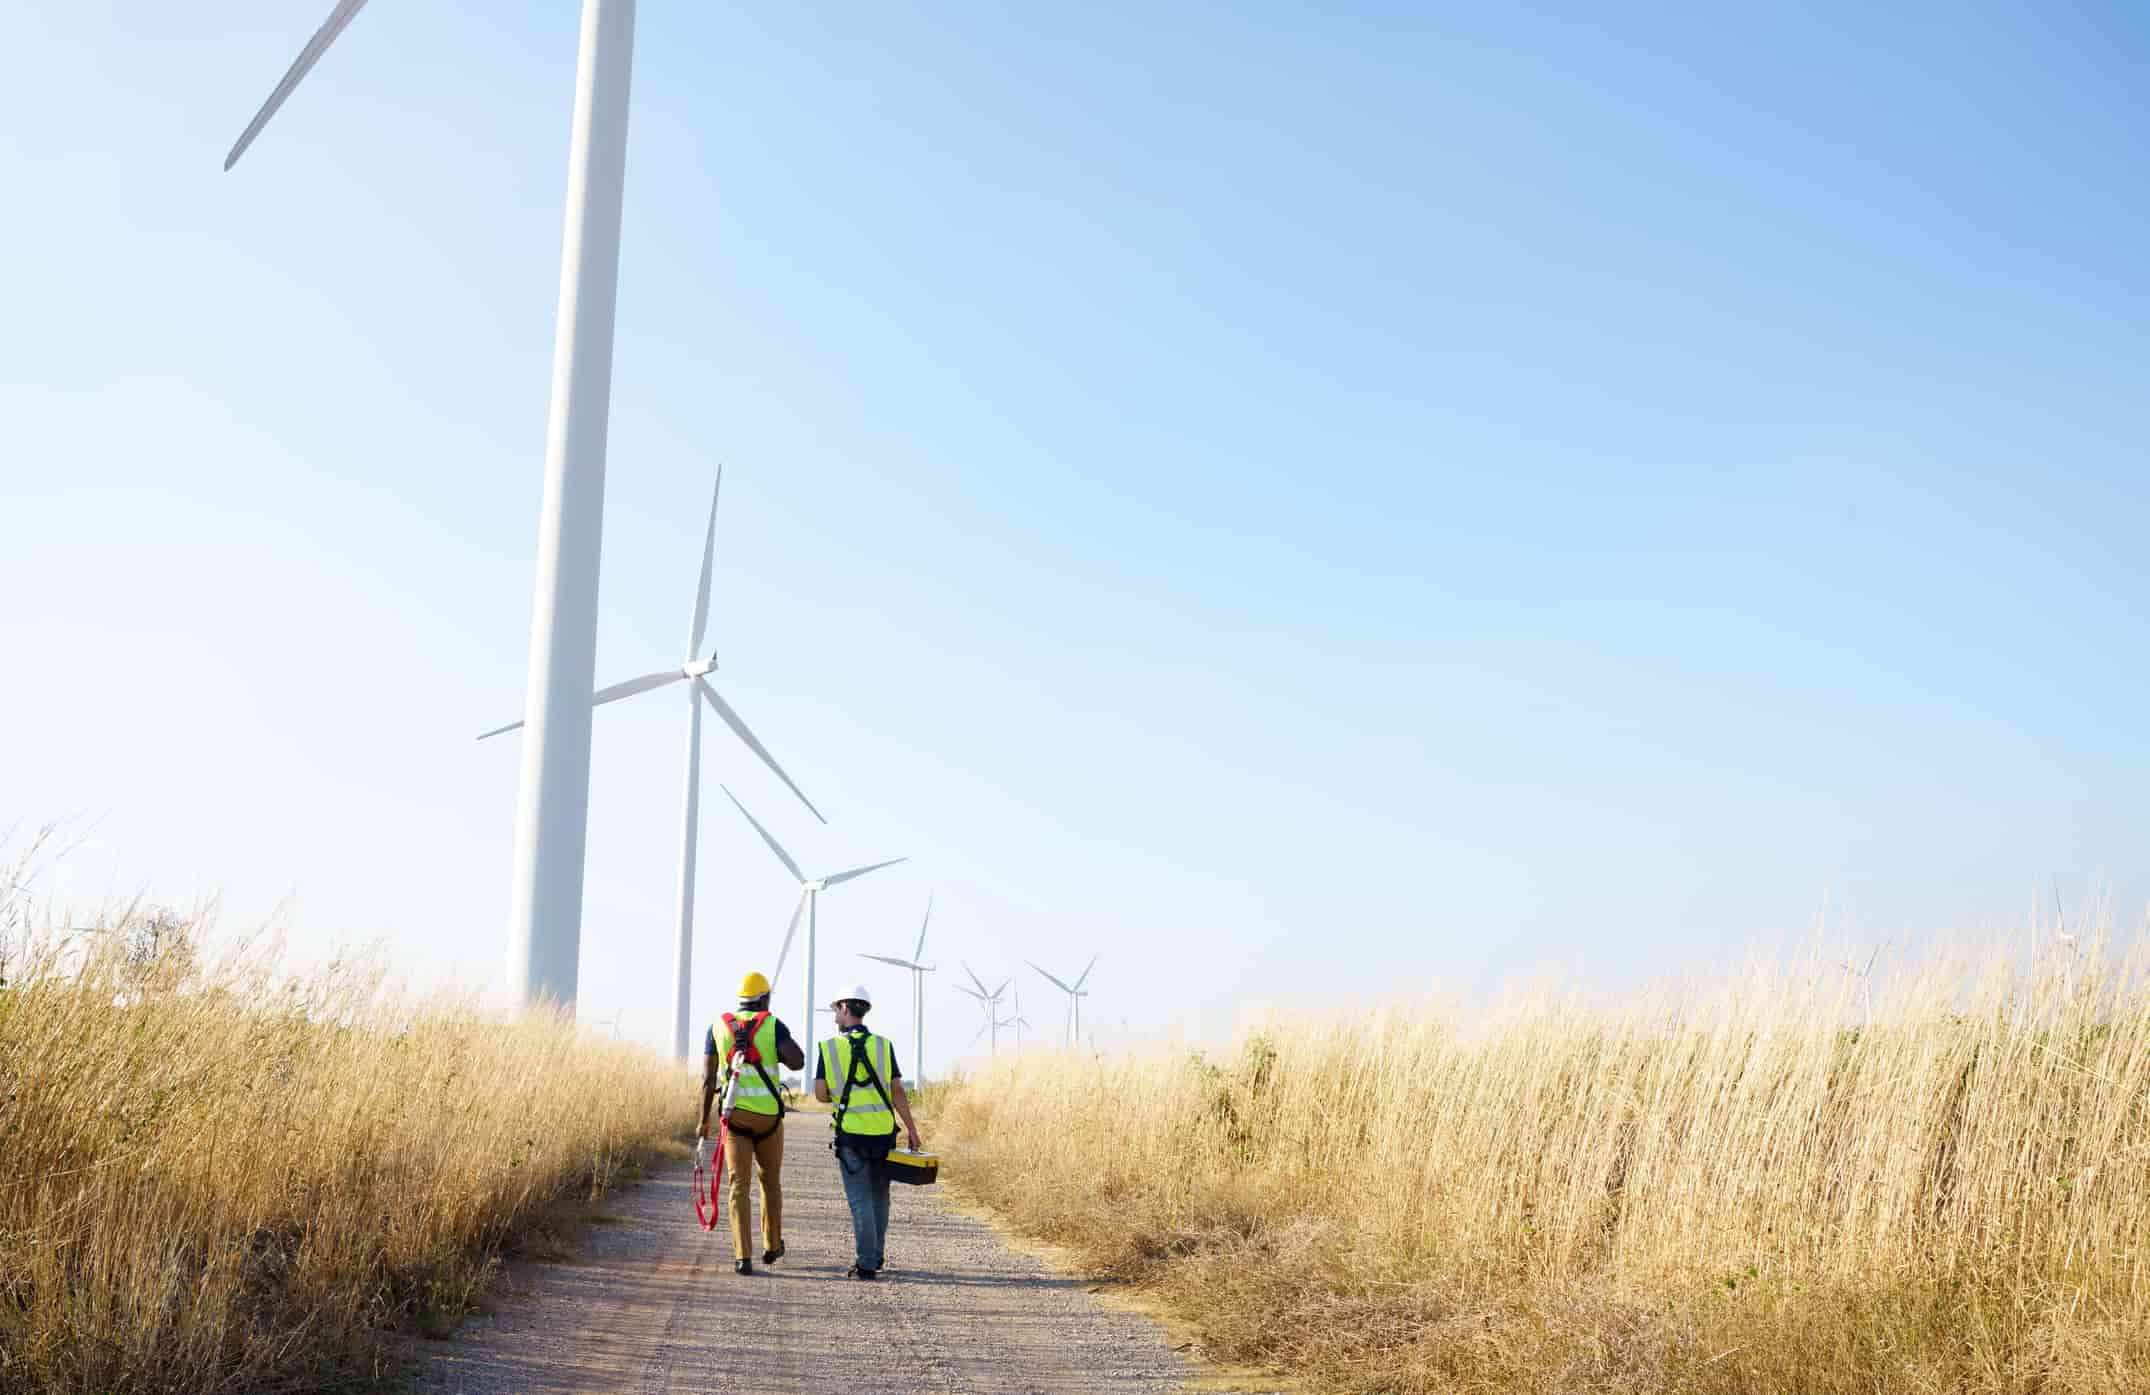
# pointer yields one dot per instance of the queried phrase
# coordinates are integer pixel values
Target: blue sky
(1316, 506)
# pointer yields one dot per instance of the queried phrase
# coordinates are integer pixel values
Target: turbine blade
(789, 931)
(612, 694)
(968, 994)
(1086, 973)
(774, 846)
(981, 1032)
(635, 685)
(842, 877)
(921, 950)
(300, 67)
(1056, 982)
(975, 979)
(885, 959)
(709, 557)
(739, 728)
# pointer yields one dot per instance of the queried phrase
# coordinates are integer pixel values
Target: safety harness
(743, 1048)
(859, 1058)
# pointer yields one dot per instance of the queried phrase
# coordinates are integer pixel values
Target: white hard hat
(856, 993)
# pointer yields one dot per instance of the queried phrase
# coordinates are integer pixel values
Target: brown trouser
(740, 1155)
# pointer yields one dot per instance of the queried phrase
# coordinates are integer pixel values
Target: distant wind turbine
(1076, 994)
(552, 814)
(989, 999)
(810, 889)
(692, 672)
(995, 1023)
(1019, 1021)
(918, 991)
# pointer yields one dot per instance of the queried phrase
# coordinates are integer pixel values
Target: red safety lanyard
(706, 1180)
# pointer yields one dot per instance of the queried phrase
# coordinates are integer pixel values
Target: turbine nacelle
(699, 667)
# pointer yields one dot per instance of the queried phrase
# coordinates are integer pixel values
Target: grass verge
(1770, 1186)
(216, 1178)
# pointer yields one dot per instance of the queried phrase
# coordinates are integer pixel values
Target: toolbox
(916, 1169)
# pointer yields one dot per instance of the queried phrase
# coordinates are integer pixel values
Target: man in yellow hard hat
(742, 1059)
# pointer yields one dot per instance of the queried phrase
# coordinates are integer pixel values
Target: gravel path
(652, 1306)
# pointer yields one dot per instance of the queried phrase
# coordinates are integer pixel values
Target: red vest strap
(731, 1027)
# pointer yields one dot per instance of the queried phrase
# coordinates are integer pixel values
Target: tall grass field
(213, 1178)
(1797, 1183)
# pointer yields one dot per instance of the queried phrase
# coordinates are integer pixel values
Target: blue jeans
(866, 1189)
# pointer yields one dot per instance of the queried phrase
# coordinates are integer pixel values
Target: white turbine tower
(810, 889)
(551, 819)
(1019, 1021)
(989, 999)
(918, 991)
(1075, 994)
(691, 672)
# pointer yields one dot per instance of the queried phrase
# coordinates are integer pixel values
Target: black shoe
(742, 1266)
(854, 1272)
(772, 1256)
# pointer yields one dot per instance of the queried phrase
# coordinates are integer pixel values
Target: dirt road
(652, 1306)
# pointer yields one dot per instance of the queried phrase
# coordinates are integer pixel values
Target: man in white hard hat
(857, 1073)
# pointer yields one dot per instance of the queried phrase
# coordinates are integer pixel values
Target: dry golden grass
(1751, 1191)
(213, 1179)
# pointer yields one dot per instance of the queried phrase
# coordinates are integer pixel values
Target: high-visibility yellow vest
(751, 1095)
(867, 1113)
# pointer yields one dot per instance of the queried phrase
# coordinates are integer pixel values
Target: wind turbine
(1019, 1021)
(691, 672)
(552, 813)
(996, 1023)
(810, 889)
(989, 999)
(1075, 994)
(918, 991)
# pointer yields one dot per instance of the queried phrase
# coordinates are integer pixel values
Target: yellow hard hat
(753, 986)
